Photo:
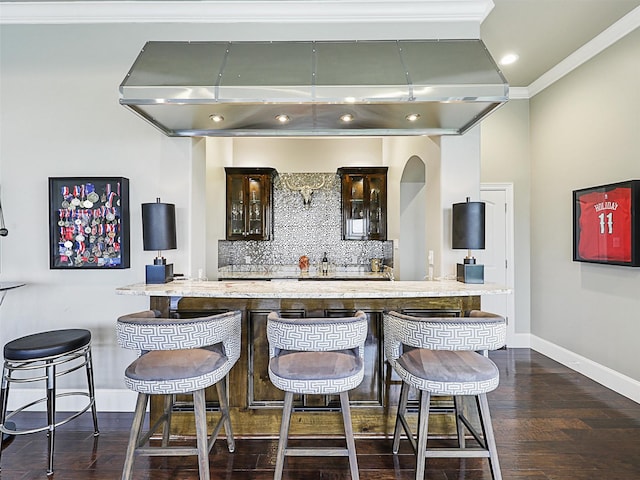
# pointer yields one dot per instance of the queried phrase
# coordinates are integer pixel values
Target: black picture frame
(606, 224)
(89, 223)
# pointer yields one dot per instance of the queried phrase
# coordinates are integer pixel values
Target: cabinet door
(248, 205)
(261, 392)
(236, 211)
(354, 209)
(377, 206)
(256, 208)
(364, 203)
(370, 391)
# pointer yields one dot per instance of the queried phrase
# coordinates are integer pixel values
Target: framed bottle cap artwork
(88, 222)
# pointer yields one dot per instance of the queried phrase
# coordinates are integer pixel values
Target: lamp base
(159, 273)
(470, 273)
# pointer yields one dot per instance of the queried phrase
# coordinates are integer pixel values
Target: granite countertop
(325, 289)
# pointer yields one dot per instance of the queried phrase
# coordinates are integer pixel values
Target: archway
(412, 254)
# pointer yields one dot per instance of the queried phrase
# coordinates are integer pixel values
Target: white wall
(413, 256)
(286, 155)
(59, 116)
(585, 131)
(506, 158)
(453, 173)
(298, 155)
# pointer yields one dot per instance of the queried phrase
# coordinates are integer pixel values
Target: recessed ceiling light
(216, 118)
(346, 118)
(412, 117)
(282, 118)
(509, 58)
(350, 99)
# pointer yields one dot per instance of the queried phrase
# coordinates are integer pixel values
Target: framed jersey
(606, 224)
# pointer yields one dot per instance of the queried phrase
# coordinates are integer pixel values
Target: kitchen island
(255, 404)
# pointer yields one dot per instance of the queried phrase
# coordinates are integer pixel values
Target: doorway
(498, 255)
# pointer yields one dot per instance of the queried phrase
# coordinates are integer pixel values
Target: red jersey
(605, 225)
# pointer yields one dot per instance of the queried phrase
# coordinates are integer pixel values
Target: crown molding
(611, 35)
(519, 93)
(249, 11)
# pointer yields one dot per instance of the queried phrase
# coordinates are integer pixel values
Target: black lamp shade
(159, 226)
(468, 225)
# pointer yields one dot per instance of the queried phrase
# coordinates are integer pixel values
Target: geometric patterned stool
(438, 356)
(179, 356)
(313, 356)
(46, 356)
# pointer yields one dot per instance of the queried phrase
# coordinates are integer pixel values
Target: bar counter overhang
(255, 405)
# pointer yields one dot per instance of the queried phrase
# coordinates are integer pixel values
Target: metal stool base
(28, 371)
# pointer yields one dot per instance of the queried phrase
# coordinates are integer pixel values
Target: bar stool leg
(200, 412)
(423, 428)
(457, 408)
(489, 438)
(51, 412)
(221, 387)
(166, 425)
(402, 409)
(4, 395)
(92, 393)
(284, 433)
(348, 430)
(134, 436)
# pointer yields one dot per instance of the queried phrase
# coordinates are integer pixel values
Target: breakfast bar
(255, 404)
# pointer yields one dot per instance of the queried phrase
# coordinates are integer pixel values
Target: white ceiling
(544, 33)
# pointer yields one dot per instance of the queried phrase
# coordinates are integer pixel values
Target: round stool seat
(47, 344)
(448, 372)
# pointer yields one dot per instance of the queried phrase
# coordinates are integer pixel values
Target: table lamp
(159, 233)
(468, 222)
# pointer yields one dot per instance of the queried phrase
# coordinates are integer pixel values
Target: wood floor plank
(550, 424)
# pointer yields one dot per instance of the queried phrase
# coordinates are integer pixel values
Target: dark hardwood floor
(550, 424)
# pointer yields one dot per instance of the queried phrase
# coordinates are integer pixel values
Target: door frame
(510, 253)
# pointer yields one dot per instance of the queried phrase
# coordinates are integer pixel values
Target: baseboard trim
(520, 340)
(606, 376)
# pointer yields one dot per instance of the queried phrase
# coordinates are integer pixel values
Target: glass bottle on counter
(325, 264)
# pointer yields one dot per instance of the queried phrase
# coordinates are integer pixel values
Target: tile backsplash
(305, 230)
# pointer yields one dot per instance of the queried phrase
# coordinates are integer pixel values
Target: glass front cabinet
(364, 203)
(249, 203)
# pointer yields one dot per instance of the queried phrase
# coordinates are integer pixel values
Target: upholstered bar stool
(316, 356)
(442, 359)
(179, 357)
(46, 356)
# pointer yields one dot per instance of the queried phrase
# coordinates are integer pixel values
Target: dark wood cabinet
(249, 203)
(364, 203)
(256, 405)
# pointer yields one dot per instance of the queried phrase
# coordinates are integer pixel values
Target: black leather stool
(46, 356)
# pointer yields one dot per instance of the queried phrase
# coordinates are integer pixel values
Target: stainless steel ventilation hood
(338, 88)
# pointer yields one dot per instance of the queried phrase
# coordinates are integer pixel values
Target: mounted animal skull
(305, 190)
